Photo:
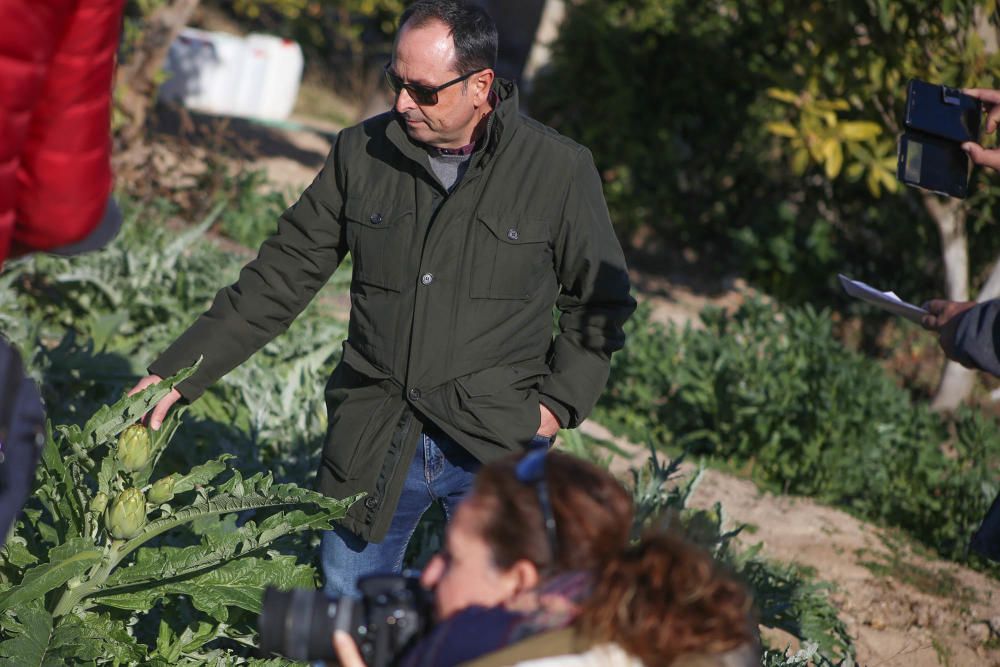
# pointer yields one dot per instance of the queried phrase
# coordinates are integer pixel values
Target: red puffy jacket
(57, 58)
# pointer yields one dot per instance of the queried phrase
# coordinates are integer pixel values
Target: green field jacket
(451, 298)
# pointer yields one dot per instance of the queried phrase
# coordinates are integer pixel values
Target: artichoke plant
(87, 548)
(134, 448)
(127, 514)
(162, 491)
(98, 503)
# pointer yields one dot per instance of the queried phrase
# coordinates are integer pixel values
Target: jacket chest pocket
(511, 257)
(377, 237)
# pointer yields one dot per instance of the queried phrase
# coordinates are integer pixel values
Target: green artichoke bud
(134, 448)
(126, 515)
(98, 502)
(162, 491)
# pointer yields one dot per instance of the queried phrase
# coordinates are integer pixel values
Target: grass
(932, 581)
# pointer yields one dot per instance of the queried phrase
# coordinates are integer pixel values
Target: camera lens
(392, 613)
(298, 624)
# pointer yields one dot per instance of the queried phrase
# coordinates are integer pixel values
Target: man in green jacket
(466, 223)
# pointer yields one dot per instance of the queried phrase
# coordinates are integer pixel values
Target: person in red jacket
(57, 58)
(56, 63)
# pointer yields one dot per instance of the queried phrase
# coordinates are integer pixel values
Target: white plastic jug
(214, 72)
(203, 69)
(272, 71)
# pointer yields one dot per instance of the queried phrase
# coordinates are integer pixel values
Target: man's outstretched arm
(291, 266)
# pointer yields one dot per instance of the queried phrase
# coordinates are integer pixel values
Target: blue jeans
(441, 471)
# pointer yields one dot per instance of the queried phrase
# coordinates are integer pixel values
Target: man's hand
(347, 650)
(159, 413)
(944, 319)
(988, 157)
(548, 425)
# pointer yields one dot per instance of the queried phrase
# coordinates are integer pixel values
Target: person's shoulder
(559, 145)
(370, 129)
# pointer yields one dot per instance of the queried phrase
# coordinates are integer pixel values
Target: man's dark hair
(473, 30)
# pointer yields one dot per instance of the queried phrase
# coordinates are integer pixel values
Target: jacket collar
(499, 128)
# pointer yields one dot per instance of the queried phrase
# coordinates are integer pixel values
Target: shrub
(681, 101)
(776, 392)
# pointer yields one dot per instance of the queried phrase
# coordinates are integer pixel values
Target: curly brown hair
(664, 598)
(659, 599)
(592, 510)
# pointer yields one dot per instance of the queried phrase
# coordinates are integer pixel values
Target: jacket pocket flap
(360, 364)
(491, 380)
(373, 214)
(514, 230)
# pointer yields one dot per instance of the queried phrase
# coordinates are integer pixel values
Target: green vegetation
(76, 577)
(87, 326)
(773, 390)
(759, 132)
(765, 131)
(251, 209)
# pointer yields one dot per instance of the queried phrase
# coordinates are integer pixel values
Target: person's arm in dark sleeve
(22, 436)
(291, 266)
(594, 303)
(976, 337)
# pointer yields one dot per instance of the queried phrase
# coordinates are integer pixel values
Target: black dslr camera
(391, 615)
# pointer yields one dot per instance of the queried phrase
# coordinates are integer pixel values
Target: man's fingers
(147, 381)
(143, 383)
(985, 94)
(347, 650)
(992, 118)
(161, 409)
(987, 157)
(936, 306)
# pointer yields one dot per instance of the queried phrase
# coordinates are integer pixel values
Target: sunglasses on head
(531, 470)
(425, 96)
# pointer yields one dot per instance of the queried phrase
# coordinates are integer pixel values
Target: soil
(903, 608)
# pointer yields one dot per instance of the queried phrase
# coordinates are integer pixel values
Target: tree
(763, 134)
(864, 72)
(150, 30)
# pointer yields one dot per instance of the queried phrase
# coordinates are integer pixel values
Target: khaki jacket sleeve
(594, 302)
(291, 266)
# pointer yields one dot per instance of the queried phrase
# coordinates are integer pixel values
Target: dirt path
(903, 609)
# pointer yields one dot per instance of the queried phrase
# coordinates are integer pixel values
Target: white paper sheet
(884, 300)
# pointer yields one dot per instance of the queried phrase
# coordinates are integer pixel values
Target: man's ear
(483, 82)
(523, 575)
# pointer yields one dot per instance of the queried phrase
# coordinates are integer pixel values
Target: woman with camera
(537, 564)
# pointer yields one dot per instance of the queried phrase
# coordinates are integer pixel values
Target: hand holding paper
(884, 300)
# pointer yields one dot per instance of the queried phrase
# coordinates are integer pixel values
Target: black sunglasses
(531, 470)
(425, 96)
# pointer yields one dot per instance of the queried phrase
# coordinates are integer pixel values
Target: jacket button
(512, 234)
(371, 502)
(414, 394)
(427, 278)
(376, 219)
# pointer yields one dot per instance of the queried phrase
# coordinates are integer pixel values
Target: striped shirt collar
(467, 149)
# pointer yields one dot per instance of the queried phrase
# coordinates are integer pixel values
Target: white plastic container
(272, 72)
(214, 72)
